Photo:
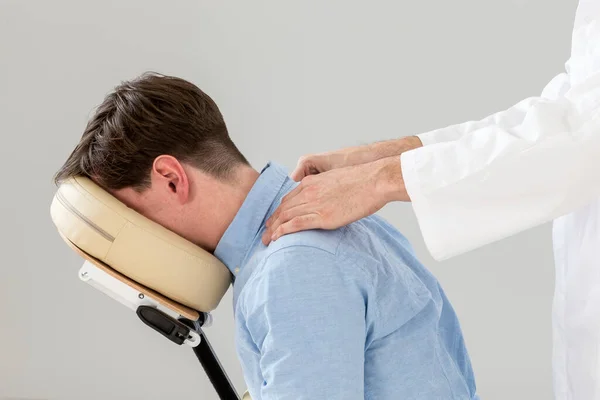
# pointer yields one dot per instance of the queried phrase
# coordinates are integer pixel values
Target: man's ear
(169, 176)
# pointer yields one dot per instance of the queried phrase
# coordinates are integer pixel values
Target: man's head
(160, 145)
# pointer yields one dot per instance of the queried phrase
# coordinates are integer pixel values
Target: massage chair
(170, 283)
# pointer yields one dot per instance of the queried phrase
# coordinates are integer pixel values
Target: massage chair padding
(115, 236)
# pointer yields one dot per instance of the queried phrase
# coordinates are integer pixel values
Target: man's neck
(231, 197)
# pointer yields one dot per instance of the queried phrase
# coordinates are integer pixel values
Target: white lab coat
(479, 182)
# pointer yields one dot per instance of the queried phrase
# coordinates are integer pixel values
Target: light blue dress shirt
(345, 314)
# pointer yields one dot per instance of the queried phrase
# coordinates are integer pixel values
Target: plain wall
(291, 78)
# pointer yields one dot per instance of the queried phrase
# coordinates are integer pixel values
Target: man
(516, 169)
(342, 314)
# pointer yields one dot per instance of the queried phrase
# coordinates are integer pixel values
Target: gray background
(291, 78)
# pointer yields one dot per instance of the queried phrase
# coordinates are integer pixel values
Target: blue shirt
(344, 314)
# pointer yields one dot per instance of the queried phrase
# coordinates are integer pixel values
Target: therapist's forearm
(389, 178)
(392, 148)
(371, 152)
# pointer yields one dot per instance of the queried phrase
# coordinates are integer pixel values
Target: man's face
(152, 203)
(170, 199)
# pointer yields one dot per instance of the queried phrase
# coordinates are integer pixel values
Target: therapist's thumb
(310, 165)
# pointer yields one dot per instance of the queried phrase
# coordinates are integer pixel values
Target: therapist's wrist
(389, 183)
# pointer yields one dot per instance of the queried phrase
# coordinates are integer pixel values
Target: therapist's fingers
(283, 215)
(299, 195)
(314, 164)
(300, 223)
(291, 197)
(308, 165)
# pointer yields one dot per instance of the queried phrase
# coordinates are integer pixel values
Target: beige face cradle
(170, 283)
(143, 251)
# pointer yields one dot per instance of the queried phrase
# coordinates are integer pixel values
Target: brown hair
(147, 117)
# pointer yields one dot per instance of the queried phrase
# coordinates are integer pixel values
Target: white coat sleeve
(478, 182)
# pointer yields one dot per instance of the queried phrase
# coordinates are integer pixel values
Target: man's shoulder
(314, 254)
(299, 255)
(358, 240)
(347, 250)
(300, 266)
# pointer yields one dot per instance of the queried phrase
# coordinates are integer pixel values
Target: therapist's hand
(317, 163)
(337, 197)
(314, 164)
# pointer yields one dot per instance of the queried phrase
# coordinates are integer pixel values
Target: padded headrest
(101, 226)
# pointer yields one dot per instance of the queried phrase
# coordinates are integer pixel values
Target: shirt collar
(241, 233)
